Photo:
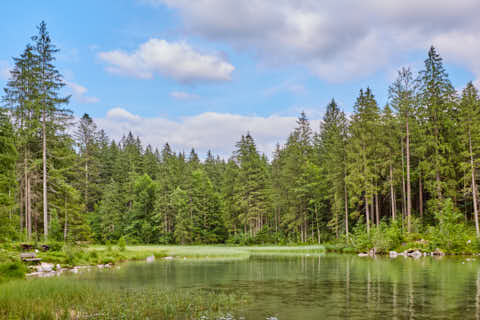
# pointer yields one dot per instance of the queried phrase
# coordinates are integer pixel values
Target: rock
(416, 254)
(58, 267)
(438, 252)
(150, 259)
(372, 252)
(393, 254)
(45, 267)
(363, 254)
(168, 258)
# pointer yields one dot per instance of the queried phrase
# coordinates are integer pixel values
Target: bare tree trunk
(346, 211)
(420, 195)
(392, 195)
(29, 209)
(367, 214)
(377, 210)
(409, 194)
(474, 185)
(86, 182)
(44, 160)
(65, 228)
(403, 188)
(318, 223)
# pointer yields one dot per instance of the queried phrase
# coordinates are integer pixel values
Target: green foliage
(450, 233)
(12, 270)
(355, 172)
(121, 243)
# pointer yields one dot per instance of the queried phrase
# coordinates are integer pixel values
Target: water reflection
(328, 287)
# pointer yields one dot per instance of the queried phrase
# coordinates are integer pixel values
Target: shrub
(450, 232)
(12, 270)
(121, 244)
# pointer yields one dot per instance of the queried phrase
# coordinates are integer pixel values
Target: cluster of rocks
(49, 269)
(413, 253)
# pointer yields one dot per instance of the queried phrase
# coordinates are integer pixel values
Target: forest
(405, 172)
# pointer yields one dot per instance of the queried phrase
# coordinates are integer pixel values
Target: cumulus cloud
(79, 93)
(176, 60)
(206, 131)
(336, 40)
(180, 95)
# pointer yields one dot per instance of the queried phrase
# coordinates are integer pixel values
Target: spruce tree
(53, 116)
(469, 117)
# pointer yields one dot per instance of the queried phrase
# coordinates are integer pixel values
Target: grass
(65, 298)
(220, 252)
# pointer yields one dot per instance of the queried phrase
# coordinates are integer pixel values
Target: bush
(55, 245)
(12, 270)
(450, 233)
(383, 238)
(121, 244)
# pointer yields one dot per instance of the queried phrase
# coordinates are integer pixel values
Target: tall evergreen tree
(53, 116)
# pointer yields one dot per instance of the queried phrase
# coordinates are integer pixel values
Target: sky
(199, 74)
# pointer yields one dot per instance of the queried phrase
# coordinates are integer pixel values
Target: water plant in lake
(68, 298)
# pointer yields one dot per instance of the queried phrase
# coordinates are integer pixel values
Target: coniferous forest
(378, 176)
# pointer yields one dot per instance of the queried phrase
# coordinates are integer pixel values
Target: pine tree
(8, 158)
(21, 98)
(361, 152)
(403, 99)
(469, 117)
(87, 141)
(437, 97)
(53, 118)
(331, 150)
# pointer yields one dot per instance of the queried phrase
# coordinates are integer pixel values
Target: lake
(322, 287)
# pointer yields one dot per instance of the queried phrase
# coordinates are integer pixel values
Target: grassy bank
(68, 256)
(62, 298)
(220, 252)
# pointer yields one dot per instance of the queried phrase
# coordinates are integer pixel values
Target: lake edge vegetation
(399, 176)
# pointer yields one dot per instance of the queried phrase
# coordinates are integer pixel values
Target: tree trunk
(318, 223)
(377, 210)
(420, 195)
(86, 182)
(474, 185)
(29, 209)
(409, 195)
(65, 229)
(346, 211)
(367, 214)
(404, 200)
(392, 196)
(44, 160)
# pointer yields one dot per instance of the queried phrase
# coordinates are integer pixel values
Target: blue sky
(199, 74)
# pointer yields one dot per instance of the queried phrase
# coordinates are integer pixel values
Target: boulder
(393, 254)
(45, 267)
(150, 259)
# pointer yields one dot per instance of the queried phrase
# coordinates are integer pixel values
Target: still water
(324, 287)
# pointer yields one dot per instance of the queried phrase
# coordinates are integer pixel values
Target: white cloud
(337, 40)
(180, 95)
(79, 93)
(4, 70)
(176, 60)
(216, 131)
